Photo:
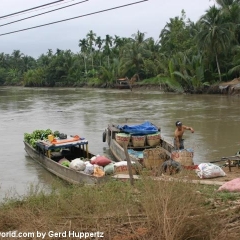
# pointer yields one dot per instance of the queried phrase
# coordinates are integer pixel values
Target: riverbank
(149, 210)
(229, 88)
(226, 88)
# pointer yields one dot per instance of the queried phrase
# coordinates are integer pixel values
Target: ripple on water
(88, 111)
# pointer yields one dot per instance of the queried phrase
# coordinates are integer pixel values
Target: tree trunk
(92, 58)
(218, 67)
(85, 65)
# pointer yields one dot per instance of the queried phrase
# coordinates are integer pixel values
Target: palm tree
(119, 43)
(236, 62)
(83, 44)
(215, 35)
(230, 10)
(109, 74)
(28, 63)
(139, 37)
(17, 60)
(106, 48)
(190, 69)
(134, 52)
(3, 60)
(168, 79)
(176, 36)
(99, 43)
(50, 53)
(91, 38)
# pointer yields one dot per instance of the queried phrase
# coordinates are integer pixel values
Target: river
(86, 112)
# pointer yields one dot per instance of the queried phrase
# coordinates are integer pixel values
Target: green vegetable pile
(65, 164)
(36, 135)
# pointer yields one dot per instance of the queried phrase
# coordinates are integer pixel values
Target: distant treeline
(187, 56)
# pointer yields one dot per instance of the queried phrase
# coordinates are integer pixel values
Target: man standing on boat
(178, 134)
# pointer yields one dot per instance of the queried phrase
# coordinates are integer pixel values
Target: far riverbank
(226, 88)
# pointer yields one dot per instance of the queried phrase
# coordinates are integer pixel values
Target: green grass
(148, 210)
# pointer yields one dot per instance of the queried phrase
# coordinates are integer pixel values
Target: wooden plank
(112, 128)
(232, 158)
(225, 159)
(125, 176)
(144, 147)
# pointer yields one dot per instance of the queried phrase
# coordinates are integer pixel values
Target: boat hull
(118, 151)
(65, 173)
(119, 86)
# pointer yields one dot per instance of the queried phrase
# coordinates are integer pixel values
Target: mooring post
(129, 164)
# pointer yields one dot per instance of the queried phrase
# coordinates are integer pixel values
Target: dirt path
(190, 175)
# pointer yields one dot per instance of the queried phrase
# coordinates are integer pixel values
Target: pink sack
(101, 161)
(231, 186)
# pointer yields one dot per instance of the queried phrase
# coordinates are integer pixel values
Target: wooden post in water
(129, 164)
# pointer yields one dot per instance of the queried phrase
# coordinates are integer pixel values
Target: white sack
(77, 164)
(209, 170)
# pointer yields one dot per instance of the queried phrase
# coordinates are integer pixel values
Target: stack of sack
(93, 167)
(98, 166)
(101, 163)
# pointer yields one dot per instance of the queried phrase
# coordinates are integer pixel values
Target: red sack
(101, 161)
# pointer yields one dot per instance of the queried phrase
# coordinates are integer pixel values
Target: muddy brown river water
(86, 112)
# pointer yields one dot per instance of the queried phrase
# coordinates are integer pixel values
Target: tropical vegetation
(187, 57)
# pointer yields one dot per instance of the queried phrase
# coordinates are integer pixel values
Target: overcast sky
(149, 17)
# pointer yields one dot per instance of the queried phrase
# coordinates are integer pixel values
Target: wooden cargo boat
(47, 155)
(122, 83)
(135, 152)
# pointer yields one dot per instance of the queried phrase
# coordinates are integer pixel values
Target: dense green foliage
(187, 56)
(36, 135)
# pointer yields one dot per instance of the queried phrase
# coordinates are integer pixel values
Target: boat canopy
(144, 128)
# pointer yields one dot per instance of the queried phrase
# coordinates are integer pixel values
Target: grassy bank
(149, 210)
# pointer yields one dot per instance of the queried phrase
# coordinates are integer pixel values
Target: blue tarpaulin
(144, 128)
(138, 154)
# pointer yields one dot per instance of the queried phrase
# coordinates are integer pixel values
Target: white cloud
(149, 17)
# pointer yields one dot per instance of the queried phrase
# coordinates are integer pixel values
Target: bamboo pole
(129, 164)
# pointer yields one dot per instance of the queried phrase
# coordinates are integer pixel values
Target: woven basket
(122, 138)
(184, 157)
(153, 139)
(154, 157)
(138, 141)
